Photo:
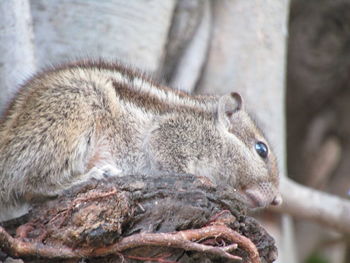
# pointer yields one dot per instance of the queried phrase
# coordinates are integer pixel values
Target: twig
(218, 215)
(159, 259)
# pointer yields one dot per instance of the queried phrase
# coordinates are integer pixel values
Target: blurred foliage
(316, 258)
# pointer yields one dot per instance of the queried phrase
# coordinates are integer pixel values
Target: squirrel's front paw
(99, 173)
(104, 172)
(109, 171)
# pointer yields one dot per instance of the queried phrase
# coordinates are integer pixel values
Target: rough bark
(120, 218)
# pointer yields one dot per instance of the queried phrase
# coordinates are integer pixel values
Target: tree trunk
(247, 54)
(134, 32)
(16, 48)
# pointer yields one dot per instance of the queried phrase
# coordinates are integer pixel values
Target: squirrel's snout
(261, 195)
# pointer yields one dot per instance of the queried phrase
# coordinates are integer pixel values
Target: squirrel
(92, 119)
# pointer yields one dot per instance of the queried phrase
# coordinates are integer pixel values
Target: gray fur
(86, 120)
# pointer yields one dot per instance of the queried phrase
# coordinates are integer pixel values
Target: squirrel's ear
(228, 105)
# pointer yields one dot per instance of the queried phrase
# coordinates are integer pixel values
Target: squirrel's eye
(261, 149)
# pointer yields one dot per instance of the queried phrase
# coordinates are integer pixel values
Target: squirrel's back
(127, 84)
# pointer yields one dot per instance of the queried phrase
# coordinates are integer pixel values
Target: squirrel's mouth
(256, 197)
(253, 200)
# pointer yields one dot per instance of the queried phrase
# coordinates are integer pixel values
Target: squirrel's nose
(277, 200)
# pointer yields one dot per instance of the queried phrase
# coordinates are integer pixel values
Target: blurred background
(318, 115)
(289, 59)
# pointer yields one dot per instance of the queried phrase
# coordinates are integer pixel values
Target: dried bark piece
(138, 217)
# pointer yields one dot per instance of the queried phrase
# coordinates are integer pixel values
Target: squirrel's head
(223, 144)
(247, 154)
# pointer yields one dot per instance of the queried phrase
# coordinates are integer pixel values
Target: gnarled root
(188, 240)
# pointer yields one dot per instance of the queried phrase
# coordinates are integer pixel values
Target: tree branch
(303, 202)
